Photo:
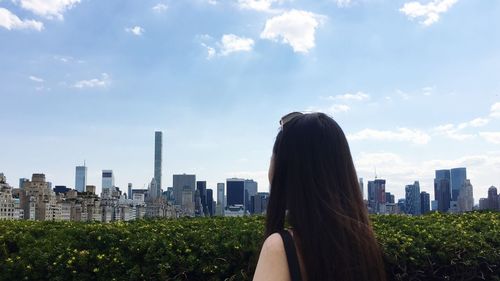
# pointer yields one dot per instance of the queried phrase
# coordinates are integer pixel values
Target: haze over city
(415, 88)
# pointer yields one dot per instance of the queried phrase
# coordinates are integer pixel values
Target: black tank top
(291, 255)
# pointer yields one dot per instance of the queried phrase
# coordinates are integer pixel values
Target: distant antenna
(376, 173)
(84, 164)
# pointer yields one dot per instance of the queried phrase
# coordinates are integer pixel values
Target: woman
(315, 190)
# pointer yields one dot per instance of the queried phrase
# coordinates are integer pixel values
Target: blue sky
(414, 84)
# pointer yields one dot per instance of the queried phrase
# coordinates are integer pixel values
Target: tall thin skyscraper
(220, 194)
(210, 201)
(220, 199)
(81, 178)
(158, 162)
(458, 177)
(361, 187)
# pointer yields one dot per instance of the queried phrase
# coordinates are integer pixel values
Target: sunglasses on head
(289, 117)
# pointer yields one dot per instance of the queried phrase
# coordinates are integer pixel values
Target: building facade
(425, 202)
(235, 189)
(220, 200)
(251, 188)
(493, 199)
(181, 184)
(412, 199)
(465, 197)
(80, 178)
(442, 190)
(158, 162)
(108, 183)
(376, 196)
(458, 177)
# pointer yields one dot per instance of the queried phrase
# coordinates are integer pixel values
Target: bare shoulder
(274, 244)
(272, 263)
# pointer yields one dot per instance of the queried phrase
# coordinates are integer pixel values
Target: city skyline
(415, 90)
(454, 179)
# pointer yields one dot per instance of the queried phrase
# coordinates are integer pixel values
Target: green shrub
(432, 247)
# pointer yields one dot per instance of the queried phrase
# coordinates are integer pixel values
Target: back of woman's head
(313, 178)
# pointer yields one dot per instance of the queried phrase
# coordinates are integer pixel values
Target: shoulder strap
(291, 255)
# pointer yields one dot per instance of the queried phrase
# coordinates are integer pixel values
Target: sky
(415, 85)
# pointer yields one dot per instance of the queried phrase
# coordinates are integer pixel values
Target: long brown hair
(313, 178)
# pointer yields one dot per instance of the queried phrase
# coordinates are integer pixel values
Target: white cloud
(454, 131)
(429, 12)
(296, 28)
(231, 43)
(478, 122)
(359, 96)
(495, 110)
(136, 30)
(42, 88)
(10, 21)
(337, 108)
(493, 137)
(160, 8)
(427, 91)
(102, 82)
(36, 79)
(49, 9)
(68, 59)
(258, 5)
(210, 51)
(343, 3)
(401, 134)
(403, 95)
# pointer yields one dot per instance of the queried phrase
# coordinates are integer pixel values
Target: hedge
(431, 247)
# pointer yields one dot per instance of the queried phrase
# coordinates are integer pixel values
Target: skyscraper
(466, 197)
(442, 187)
(129, 191)
(425, 202)
(210, 201)
(389, 198)
(361, 187)
(182, 183)
(260, 202)
(22, 181)
(458, 177)
(108, 179)
(80, 178)
(201, 186)
(235, 192)
(250, 190)
(412, 199)
(220, 199)
(152, 190)
(493, 198)
(158, 162)
(376, 196)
